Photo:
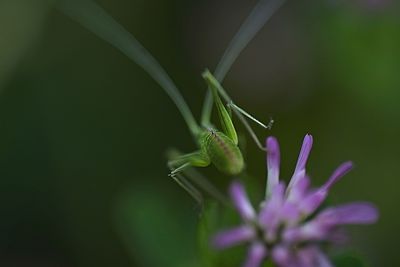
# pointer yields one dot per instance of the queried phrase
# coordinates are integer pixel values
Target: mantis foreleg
(194, 159)
(181, 164)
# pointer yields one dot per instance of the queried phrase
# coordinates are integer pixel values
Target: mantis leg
(190, 179)
(241, 114)
(189, 187)
(233, 106)
(194, 159)
(182, 162)
(205, 185)
(224, 115)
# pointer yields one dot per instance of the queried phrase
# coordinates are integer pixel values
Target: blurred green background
(84, 130)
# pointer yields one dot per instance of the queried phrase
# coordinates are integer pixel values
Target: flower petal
(273, 163)
(341, 171)
(270, 214)
(312, 201)
(241, 201)
(281, 255)
(352, 213)
(321, 259)
(304, 153)
(324, 225)
(290, 213)
(256, 254)
(306, 257)
(311, 231)
(302, 160)
(315, 199)
(232, 237)
(310, 256)
(299, 189)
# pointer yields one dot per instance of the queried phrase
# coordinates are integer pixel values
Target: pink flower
(282, 229)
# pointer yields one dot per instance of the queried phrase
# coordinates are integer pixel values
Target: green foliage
(349, 259)
(26, 18)
(156, 228)
(365, 59)
(213, 219)
(269, 264)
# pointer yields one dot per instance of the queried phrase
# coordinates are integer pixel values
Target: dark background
(83, 130)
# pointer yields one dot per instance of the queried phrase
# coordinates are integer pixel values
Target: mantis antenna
(260, 14)
(95, 19)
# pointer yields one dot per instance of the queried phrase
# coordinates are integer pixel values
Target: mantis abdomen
(222, 152)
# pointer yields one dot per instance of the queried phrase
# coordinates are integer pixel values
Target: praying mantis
(217, 147)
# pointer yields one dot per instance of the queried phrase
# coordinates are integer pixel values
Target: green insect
(217, 147)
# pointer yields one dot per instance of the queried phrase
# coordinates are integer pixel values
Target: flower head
(287, 228)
